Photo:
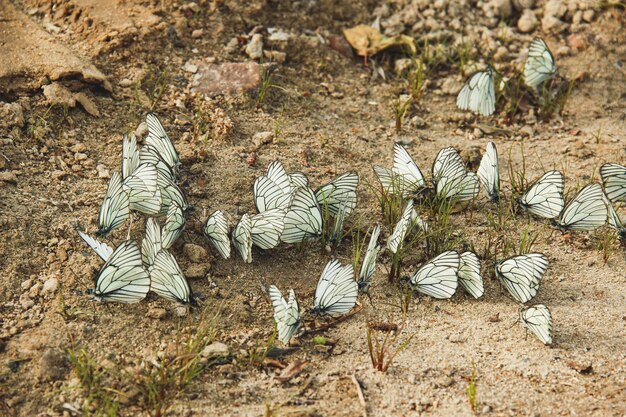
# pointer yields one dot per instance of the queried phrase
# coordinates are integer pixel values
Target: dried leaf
(339, 44)
(367, 41)
(292, 370)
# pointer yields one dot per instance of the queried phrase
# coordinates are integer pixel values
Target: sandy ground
(329, 116)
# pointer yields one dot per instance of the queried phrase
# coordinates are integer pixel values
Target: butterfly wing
(406, 167)
(544, 198)
(168, 280)
(396, 240)
(142, 189)
(438, 277)
(369, 261)
(521, 275)
(540, 65)
(122, 278)
(103, 250)
(115, 207)
(151, 243)
(304, 219)
(587, 211)
(336, 291)
(130, 155)
(341, 190)
(267, 228)
(478, 94)
(286, 314)
(538, 319)
(488, 173)
(242, 238)
(174, 225)
(159, 139)
(272, 190)
(614, 181)
(216, 229)
(469, 274)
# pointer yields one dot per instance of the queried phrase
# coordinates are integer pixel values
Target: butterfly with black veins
(337, 231)
(143, 191)
(336, 291)
(130, 155)
(488, 173)
(544, 197)
(168, 280)
(274, 189)
(151, 243)
(304, 219)
(174, 225)
(286, 313)
(396, 240)
(540, 65)
(115, 208)
(339, 192)
(586, 211)
(469, 274)
(267, 228)
(122, 279)
(614, 181)
(216, 229)
(158, 138)
(404, 178)
(478, 95)
(522, 274)
(171, 194)
(103, 250)
(148, 154)
(538, 320)
(615, 222)
(369, 261)
(242, 238)
(452, 181)
(438, 277)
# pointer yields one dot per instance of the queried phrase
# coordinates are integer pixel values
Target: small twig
(5, 157)
(333, 323)
(359, 392)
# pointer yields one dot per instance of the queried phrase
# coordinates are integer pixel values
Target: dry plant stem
(327, 326)
(359, 393)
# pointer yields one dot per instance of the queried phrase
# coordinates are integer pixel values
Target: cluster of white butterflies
(147, 185)
(287, 211)
(479, 92)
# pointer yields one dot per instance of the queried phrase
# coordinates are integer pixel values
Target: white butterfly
(167, 279)
(488, 173)
(396, 240)
(150, 155)
(538, 319)
(404, 178)
(614, 180)
(369, 261)
(267, 228)
(479, 93)
(142, 189)
(286, 313)
(298, 180)
(586, 211)
(438, 277)
(337, 232)
(304, 219)
(130, 155)
(159, 139)
(242, 238)
(338, 192)
(174, 225)
(103, 250)
(544, 197)
(615, 222)
(122, 278)
(540, 65)
(522, 274)
(451, 179)
(115, 207)
(151, 243)
(469, 274)
(336, 290)
(216, 229)
(276, 188)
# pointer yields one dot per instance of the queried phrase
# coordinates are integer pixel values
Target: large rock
(229, 78)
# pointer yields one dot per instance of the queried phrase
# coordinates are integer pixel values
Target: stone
(502, 8)
(278, 35)
(156, 313)
(527, 21)
(254, 49)
(262, 138)
(523, 4)
(189, 67)
(228, 78)
(8, 177)
(50, 286)
(198, 33)
(552, 24)
(52, 365)
(12, 114)
(196, 271)
(576, 41)
(275, 56)
(195, 253)
(588, 15)
(555, 8)
(141, 130)
(403, 64)
(451, 86)
(87, 103)
(56, 93)
(103, 171)
(215, 350)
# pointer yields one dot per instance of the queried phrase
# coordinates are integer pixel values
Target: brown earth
(328, 115)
